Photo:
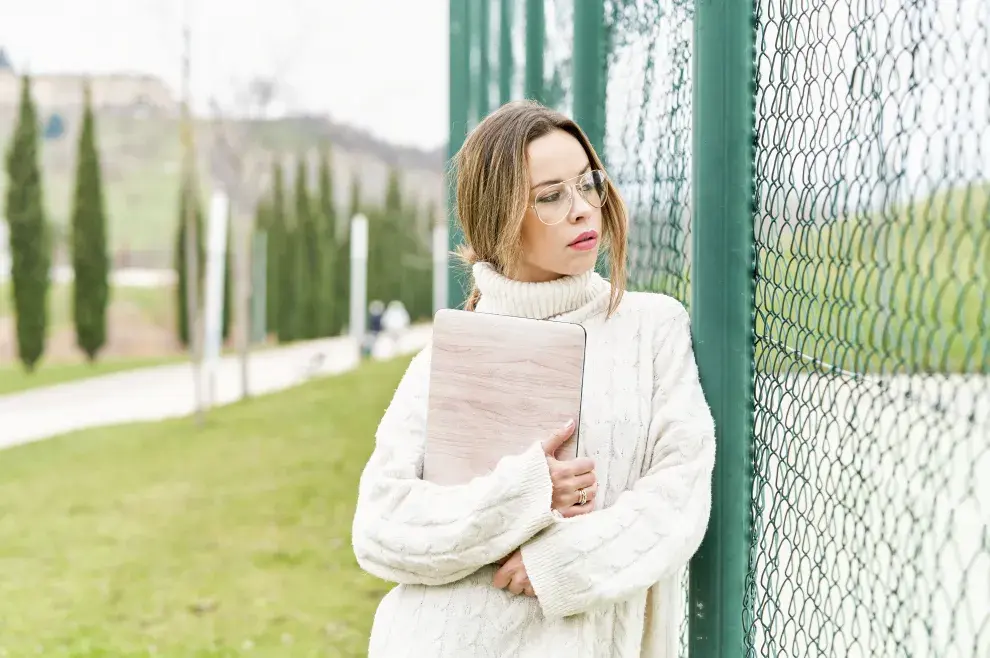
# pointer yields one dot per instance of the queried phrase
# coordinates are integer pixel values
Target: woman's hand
(574, 482)
(512, 575)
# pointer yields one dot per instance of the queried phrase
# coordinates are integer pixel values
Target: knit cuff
(551, 573)
(536, 492)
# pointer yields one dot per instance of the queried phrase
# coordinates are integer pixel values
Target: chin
(581, 264)
(574, 265)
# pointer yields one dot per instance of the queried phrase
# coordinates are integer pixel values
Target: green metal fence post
(471, 56)
(458, 119)
(722, 312)
(535, 42)
(588, 79)
(484, 58)
(588, 76)
(505, 64)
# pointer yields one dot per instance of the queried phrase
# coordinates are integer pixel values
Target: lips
(586, 240)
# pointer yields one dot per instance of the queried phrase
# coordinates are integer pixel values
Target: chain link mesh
(648, 137)
(558, 55)
(871, 318)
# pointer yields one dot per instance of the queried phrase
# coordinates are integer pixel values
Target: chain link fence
(871, 344)
(872, 246)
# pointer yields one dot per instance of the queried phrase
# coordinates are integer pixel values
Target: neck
(529, 274)
(565, 297)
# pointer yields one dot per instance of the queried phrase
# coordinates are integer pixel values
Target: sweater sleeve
(653, 529)
(410, 531)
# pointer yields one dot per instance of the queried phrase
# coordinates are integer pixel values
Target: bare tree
(242, 169)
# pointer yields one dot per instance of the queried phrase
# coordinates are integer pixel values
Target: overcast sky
(376, 64)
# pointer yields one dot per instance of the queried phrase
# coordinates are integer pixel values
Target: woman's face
(561, 230)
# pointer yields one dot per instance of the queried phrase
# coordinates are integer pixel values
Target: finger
(517, 586)
(558, 438)
(505, 559)
(577, 510)
(502, 578)
(574, 467)
(528, 591)
(585, 481)
(589, 492)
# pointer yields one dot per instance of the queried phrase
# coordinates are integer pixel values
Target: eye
(548, 197)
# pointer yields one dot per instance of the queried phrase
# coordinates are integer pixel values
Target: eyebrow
(553, 181)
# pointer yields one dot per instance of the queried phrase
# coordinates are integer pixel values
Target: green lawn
(168, 540)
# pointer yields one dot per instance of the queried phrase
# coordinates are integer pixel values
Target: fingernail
(569, 424)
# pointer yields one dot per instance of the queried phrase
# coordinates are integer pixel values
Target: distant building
(120, 92)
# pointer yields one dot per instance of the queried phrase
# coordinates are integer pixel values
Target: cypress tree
(387, 244)
(262, 224)
(30, 240)
(307, 266)
(90, 260)
(274, 221)
(181, 315)
(342, 266)
(431, 223)
(419, 294)
(287, 298)
(226, 319)
(328, 307)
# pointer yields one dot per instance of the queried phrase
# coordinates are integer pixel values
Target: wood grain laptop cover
(497, 385)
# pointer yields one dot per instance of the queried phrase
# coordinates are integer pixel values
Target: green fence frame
(458, 109)
(721, 313)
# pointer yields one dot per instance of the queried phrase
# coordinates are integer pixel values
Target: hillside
(141, 161)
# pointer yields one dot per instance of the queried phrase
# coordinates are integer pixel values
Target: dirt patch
(130, 334)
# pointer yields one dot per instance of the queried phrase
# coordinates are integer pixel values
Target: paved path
(161, 392)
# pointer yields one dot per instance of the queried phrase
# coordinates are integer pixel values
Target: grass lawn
(167, 540)
(14, 379)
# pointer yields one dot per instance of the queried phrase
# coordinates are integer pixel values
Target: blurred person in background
(376, 310)
(395, 322)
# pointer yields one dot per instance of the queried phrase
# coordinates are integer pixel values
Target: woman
(541, 557)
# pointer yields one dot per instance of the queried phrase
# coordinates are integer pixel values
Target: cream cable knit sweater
(607, 583)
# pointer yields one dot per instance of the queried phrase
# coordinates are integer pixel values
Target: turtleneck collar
(571, 297)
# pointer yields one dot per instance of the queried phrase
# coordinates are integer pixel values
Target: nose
(580, 208)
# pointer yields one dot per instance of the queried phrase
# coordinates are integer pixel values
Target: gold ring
(583, 496)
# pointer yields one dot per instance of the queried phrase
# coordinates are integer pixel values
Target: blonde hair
(493, 192)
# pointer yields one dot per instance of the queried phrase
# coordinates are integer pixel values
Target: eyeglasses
(553, 203)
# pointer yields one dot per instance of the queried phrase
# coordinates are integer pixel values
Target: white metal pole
(216, 252)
